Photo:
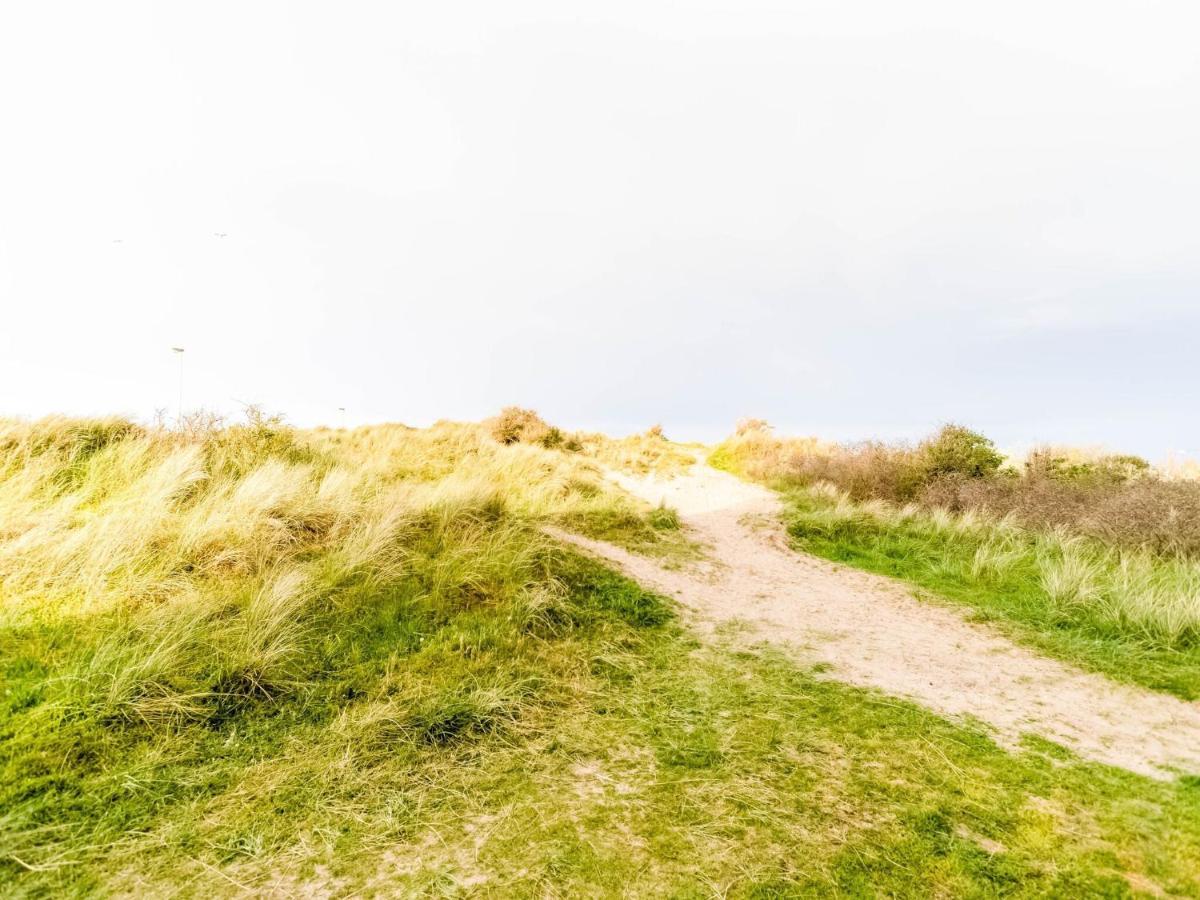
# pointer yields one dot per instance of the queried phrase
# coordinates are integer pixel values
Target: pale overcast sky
(849, 218)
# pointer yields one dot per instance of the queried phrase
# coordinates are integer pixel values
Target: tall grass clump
(515, 425)
(647, 453)
(1155, 600)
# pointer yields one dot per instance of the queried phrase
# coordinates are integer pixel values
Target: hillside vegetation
(249, 660)
(162, 588)
(1093, 560)
(1114, 498)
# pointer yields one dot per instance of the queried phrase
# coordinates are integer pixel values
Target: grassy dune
(249, 660)
(161, 589)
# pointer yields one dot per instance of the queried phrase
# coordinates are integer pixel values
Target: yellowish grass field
(254, 661)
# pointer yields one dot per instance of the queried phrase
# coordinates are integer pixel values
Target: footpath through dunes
(872, 632)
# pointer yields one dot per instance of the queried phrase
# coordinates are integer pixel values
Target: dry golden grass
(1180, 468)
(104, 513)
(640, 454)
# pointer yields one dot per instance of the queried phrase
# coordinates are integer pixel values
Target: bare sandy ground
(872, 632)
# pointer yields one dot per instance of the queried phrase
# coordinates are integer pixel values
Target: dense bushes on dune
(1117, 499)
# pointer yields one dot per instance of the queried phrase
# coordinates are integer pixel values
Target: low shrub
(752, 426)
(866, 471)
(1115, 498)
(1047, 463)
(956, 450)
(515, 425)
(664, 518)
(1144, 513)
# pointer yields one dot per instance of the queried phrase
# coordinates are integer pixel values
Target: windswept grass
(640, 454)
(555, 484)
(254, 662)
(161, 588)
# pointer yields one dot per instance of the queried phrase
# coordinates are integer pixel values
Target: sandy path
(872, 632)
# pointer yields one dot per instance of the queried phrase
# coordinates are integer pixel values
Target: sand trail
(870, 631)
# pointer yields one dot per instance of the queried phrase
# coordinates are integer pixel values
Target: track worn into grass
(872, 632)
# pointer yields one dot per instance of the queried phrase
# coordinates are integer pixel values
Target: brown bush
(750, 426)
(1163, 516)
(1149, 513)
(863, 470)
(515, 425)
(868, 471)
(1112, 498)
(1036, 501)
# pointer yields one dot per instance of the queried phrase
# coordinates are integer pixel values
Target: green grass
(400, 678)
(650, 531)
(1001, 577)
(589, 747)
(239, 665)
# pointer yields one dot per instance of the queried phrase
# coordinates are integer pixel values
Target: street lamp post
(179, 417)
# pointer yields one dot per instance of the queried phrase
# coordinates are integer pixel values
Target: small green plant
(468, 710)
(664, 518)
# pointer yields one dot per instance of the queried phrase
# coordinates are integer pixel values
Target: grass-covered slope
(254, 662)
(178, 607)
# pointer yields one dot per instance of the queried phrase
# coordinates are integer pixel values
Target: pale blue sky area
(853, 219)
